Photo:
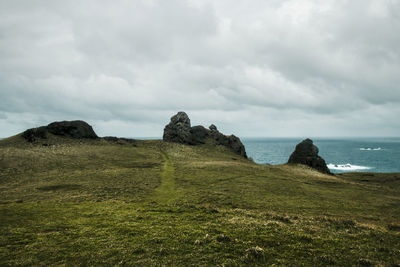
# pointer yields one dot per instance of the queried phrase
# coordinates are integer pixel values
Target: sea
(340, 154)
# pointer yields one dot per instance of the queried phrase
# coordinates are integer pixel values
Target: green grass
(166, 192)
(97, 202)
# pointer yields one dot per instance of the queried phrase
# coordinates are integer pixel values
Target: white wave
(370, 148)
(347, 167)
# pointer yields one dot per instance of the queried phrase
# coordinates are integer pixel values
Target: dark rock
(307, 153)
(231, 141)
(220, 139)
(198, 135)
(74, 129)
(31, 135)
(236, 145)
(180, 131)
(213, 127)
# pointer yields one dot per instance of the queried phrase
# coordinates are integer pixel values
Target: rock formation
(33, 134)
(236, 145)
(72, 129)
(198, 135)
(307, 153)
(179, 130)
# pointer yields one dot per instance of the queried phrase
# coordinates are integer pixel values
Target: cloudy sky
(253, 68)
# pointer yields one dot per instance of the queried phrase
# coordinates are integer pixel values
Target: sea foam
(370, 148)
(347, 167)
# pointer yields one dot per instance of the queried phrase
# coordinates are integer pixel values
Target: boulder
(180, 131)
(220, 139)
(307, 153)
(31, 135)
(213, 128)
(236, 145)
(73, 129)
(231, 142)
(198, 135)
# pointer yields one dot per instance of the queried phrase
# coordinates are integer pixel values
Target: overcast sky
(253, 68)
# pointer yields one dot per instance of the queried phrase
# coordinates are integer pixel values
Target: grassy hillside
(71, 202)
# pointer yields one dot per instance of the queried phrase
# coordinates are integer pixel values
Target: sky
(254, 68)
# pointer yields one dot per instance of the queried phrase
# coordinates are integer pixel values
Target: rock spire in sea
(307, 153)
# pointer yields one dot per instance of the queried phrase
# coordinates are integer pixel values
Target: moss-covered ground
(97, 202)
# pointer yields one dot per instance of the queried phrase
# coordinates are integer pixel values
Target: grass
(166, 192)
(98, 202)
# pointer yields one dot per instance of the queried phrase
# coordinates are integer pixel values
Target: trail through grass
(166, 193)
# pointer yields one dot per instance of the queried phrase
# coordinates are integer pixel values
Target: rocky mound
(72, 129)
(307, 153)
(179, 130)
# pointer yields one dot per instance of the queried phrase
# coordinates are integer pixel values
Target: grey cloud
(254, 68)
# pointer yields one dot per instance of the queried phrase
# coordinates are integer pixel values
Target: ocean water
(341, 155)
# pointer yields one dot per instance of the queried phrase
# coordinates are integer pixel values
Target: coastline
(376, 155)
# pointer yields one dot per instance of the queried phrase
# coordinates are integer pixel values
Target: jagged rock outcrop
(236, 145)
(231, 141)
(213, 127)
(179, 130)
(198, 135)
(73, 129)
(307, 153)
